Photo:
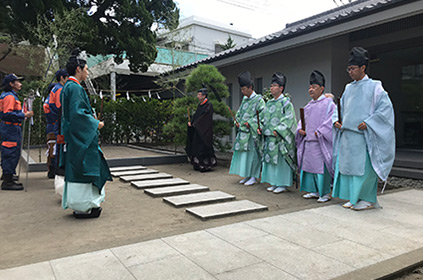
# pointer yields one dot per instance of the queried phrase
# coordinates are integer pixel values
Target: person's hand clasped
(302, 132)
(29, 114)
(247, 125)
(100, 125)
(275, 133)
(189, 124)
(259, 131)
(338, 125)
(362, 126)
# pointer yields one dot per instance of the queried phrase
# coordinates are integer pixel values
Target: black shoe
(15, 177)
(11, 186)
(51, 174)
(95, 213)
(17, 183)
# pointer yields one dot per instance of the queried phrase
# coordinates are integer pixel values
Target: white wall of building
(297, 64)
(201, 35)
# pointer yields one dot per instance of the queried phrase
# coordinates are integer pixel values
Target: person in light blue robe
(364, 137)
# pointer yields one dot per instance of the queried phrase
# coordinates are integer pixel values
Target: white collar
(252, 95)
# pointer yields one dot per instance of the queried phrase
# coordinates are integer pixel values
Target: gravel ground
(397, 182)
(417, 274)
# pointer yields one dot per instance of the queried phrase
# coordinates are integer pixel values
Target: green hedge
(126, 121)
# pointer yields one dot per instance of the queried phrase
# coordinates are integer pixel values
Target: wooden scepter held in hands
(302, 119)
(339, 110)
(232, 114)
(258, 119)
(189, 116)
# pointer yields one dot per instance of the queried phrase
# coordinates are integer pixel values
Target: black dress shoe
(11, 186)
(51, 174)
(95, 213)
(17, 183)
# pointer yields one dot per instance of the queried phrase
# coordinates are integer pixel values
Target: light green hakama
(246, 163)
(356, 188)
(279, 175)
(315, 183)
(82, 196)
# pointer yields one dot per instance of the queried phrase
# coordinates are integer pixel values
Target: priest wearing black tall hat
(364, 143)
(278, 122)
(246, 159)
(314, 143)
(199, 146)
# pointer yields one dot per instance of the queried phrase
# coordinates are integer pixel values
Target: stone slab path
(320, 243)
(198, 198)
(133, 172)
(225, 209)
(141, 177)
(158, 183)
(183, 196)
(176, 190)
(126, 168)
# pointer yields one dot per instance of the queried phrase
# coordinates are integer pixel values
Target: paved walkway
(320, 243)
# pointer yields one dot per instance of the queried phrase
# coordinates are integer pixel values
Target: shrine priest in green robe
(278, 126)
(246, 159)
(86, 170)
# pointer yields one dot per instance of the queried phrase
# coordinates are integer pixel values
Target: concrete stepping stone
(176, 190)
(198, 198)
(133, 172)
(141, 177)
(125, 168)
(225, 209)
(159, 183)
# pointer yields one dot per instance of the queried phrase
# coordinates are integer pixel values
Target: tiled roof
(358, 8)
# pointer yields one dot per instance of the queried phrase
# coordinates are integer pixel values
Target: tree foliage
(123, 28)
(230, 43)
(203, 76)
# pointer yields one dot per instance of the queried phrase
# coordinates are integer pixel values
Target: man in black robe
(200, 135)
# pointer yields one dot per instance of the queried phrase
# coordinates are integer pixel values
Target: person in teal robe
(278, 126)
(364, 141)
(246, 159)
(86, 170)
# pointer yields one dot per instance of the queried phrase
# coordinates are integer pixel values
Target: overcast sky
(257, 17)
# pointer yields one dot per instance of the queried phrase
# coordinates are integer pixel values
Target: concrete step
(176, 190)
(156, 176)
(158, 183)
(125, 168)
(133, 172)
(409, 158)
(407, 172)
(198, 198)
(225, 209)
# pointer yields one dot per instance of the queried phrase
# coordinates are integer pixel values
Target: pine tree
(203, 76)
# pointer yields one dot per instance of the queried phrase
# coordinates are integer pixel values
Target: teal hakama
(363, 156)
(280, 174)
(86, 170)
(279, 162)
(315, 183)
(356, 188)
(246, 159)
(246, 163)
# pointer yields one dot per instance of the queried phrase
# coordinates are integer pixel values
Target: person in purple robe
(314, 143)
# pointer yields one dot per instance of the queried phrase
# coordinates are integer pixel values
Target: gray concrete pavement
(319, 243)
